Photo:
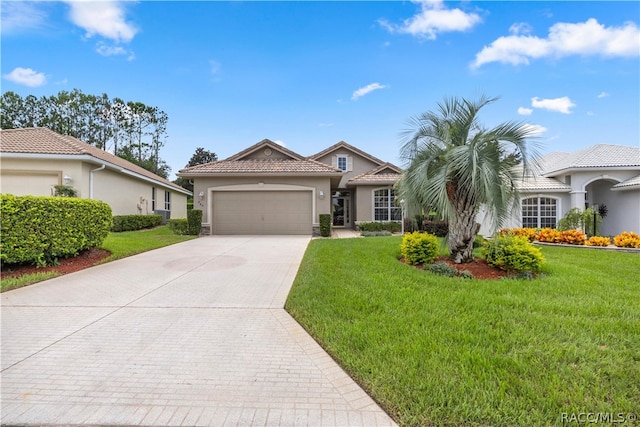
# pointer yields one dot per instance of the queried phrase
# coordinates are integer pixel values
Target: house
(603, 174)
(34, 160)
(269, 189)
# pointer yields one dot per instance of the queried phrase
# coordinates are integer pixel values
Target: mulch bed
(85, 259)
(479, 268)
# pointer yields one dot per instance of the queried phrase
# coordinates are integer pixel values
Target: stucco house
(34, 160)
(598, 175)
(269, 189)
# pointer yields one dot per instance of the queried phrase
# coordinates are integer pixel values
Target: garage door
(262, 212)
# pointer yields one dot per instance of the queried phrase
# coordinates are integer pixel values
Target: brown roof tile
(261, 166)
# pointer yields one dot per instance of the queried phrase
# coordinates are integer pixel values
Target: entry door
(341, 212)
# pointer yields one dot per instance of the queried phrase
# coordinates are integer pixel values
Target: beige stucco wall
(360, 164)
(317, 184)
(121, 192)
(364, 201)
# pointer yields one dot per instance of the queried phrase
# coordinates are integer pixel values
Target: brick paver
(169, 338)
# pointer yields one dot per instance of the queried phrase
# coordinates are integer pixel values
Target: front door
(341, 210)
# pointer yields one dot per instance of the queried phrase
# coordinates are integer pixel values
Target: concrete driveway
(190, 334)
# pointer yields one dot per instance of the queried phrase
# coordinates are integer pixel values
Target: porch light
(201, 194)
(66, 180)
(321, 194)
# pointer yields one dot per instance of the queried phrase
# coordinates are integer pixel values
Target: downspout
(91, 179)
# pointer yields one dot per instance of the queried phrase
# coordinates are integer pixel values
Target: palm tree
(456, 166)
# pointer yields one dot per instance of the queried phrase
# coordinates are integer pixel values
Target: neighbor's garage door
(262, 212)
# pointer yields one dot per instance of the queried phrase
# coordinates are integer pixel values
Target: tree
(200, 157)
(456, 166)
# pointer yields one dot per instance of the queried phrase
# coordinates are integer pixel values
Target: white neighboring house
(34, 160)
(599, 175)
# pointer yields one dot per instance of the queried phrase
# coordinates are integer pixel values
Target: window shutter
(334, 161)
(349, 163)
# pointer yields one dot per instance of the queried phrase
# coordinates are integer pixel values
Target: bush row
(325, 225)
(190, 225)
(573, 237)
(437, 228)
(39, 230)
(135, 222)
(390, 226)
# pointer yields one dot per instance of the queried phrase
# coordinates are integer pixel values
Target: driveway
(190, 334)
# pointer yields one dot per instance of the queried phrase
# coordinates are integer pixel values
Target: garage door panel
(262, 212)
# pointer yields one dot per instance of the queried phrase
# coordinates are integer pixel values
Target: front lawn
(442, 351)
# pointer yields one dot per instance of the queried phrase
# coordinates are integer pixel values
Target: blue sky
(309, 74)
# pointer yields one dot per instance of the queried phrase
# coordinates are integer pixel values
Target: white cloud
(366, 89)
(26, 77)
(534, 130)
(103, 18)
(432, 19)
(520, 28)
(106, 50)
(525, 111)
(603, 95)
(588, 38)
(21, 16)
(561, 105)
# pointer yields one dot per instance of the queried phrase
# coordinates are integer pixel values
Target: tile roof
(45, 141)
(385, 174)
(261, 166)
(629, 184)
(263, 144)
(597, 156)
(535, 183)
(350, 147)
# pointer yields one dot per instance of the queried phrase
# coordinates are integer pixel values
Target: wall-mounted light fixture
(201, 194)
(66, 180)
(321, 194)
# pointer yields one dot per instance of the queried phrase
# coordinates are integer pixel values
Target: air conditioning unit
(166, 215)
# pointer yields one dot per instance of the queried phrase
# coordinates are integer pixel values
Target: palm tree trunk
(463, 229)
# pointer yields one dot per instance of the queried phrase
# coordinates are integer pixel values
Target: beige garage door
(262, 212)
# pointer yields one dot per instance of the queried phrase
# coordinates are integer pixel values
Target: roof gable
(266, 149)
(343, 145)
(385, 174)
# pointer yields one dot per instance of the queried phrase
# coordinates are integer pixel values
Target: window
(539, 212)
(384, 207)
(153, 198)
(342, 163)
(167, 201)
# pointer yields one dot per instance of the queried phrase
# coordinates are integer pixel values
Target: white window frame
(167, 200)
(538, 211)
(387, 208)
(344, 159)
(153, 198)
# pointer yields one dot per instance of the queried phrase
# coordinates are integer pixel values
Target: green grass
(120, 245)
(129, 243)
(8, 283)
(439, 351)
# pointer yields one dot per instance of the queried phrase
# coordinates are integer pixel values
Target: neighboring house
(599, 175)
(34, 160)
(268, 189)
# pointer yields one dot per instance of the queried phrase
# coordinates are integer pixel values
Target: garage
(262, 212)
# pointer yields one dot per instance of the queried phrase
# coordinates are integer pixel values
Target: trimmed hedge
(325, 225)
(513, 253)
(194, 219)
(179, 226)
(390, 226)
(135, 222)
(419, 248)
(437, 228)
(40, 230)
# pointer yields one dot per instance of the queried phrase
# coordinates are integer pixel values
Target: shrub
(419, 248)
(375, 233)
(135, 222)
(572, 237)
(598, 241)
(513, 253)
(390, 226)
(575, 218)
(627, 239)
(65, 191)
(40, 230)
(194, 220)
(179, 226)
(465, 274)
(443, 269)
(548, 235)
(437, 228)
(478, 242)
(529, 233)
(325, 225)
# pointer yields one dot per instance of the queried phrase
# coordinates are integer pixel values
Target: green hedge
(419, 248)
(135, 222)
(194, 219)
(40, 230)
(390, 226)
(179, 226)
(325, 225)
(513, 253)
